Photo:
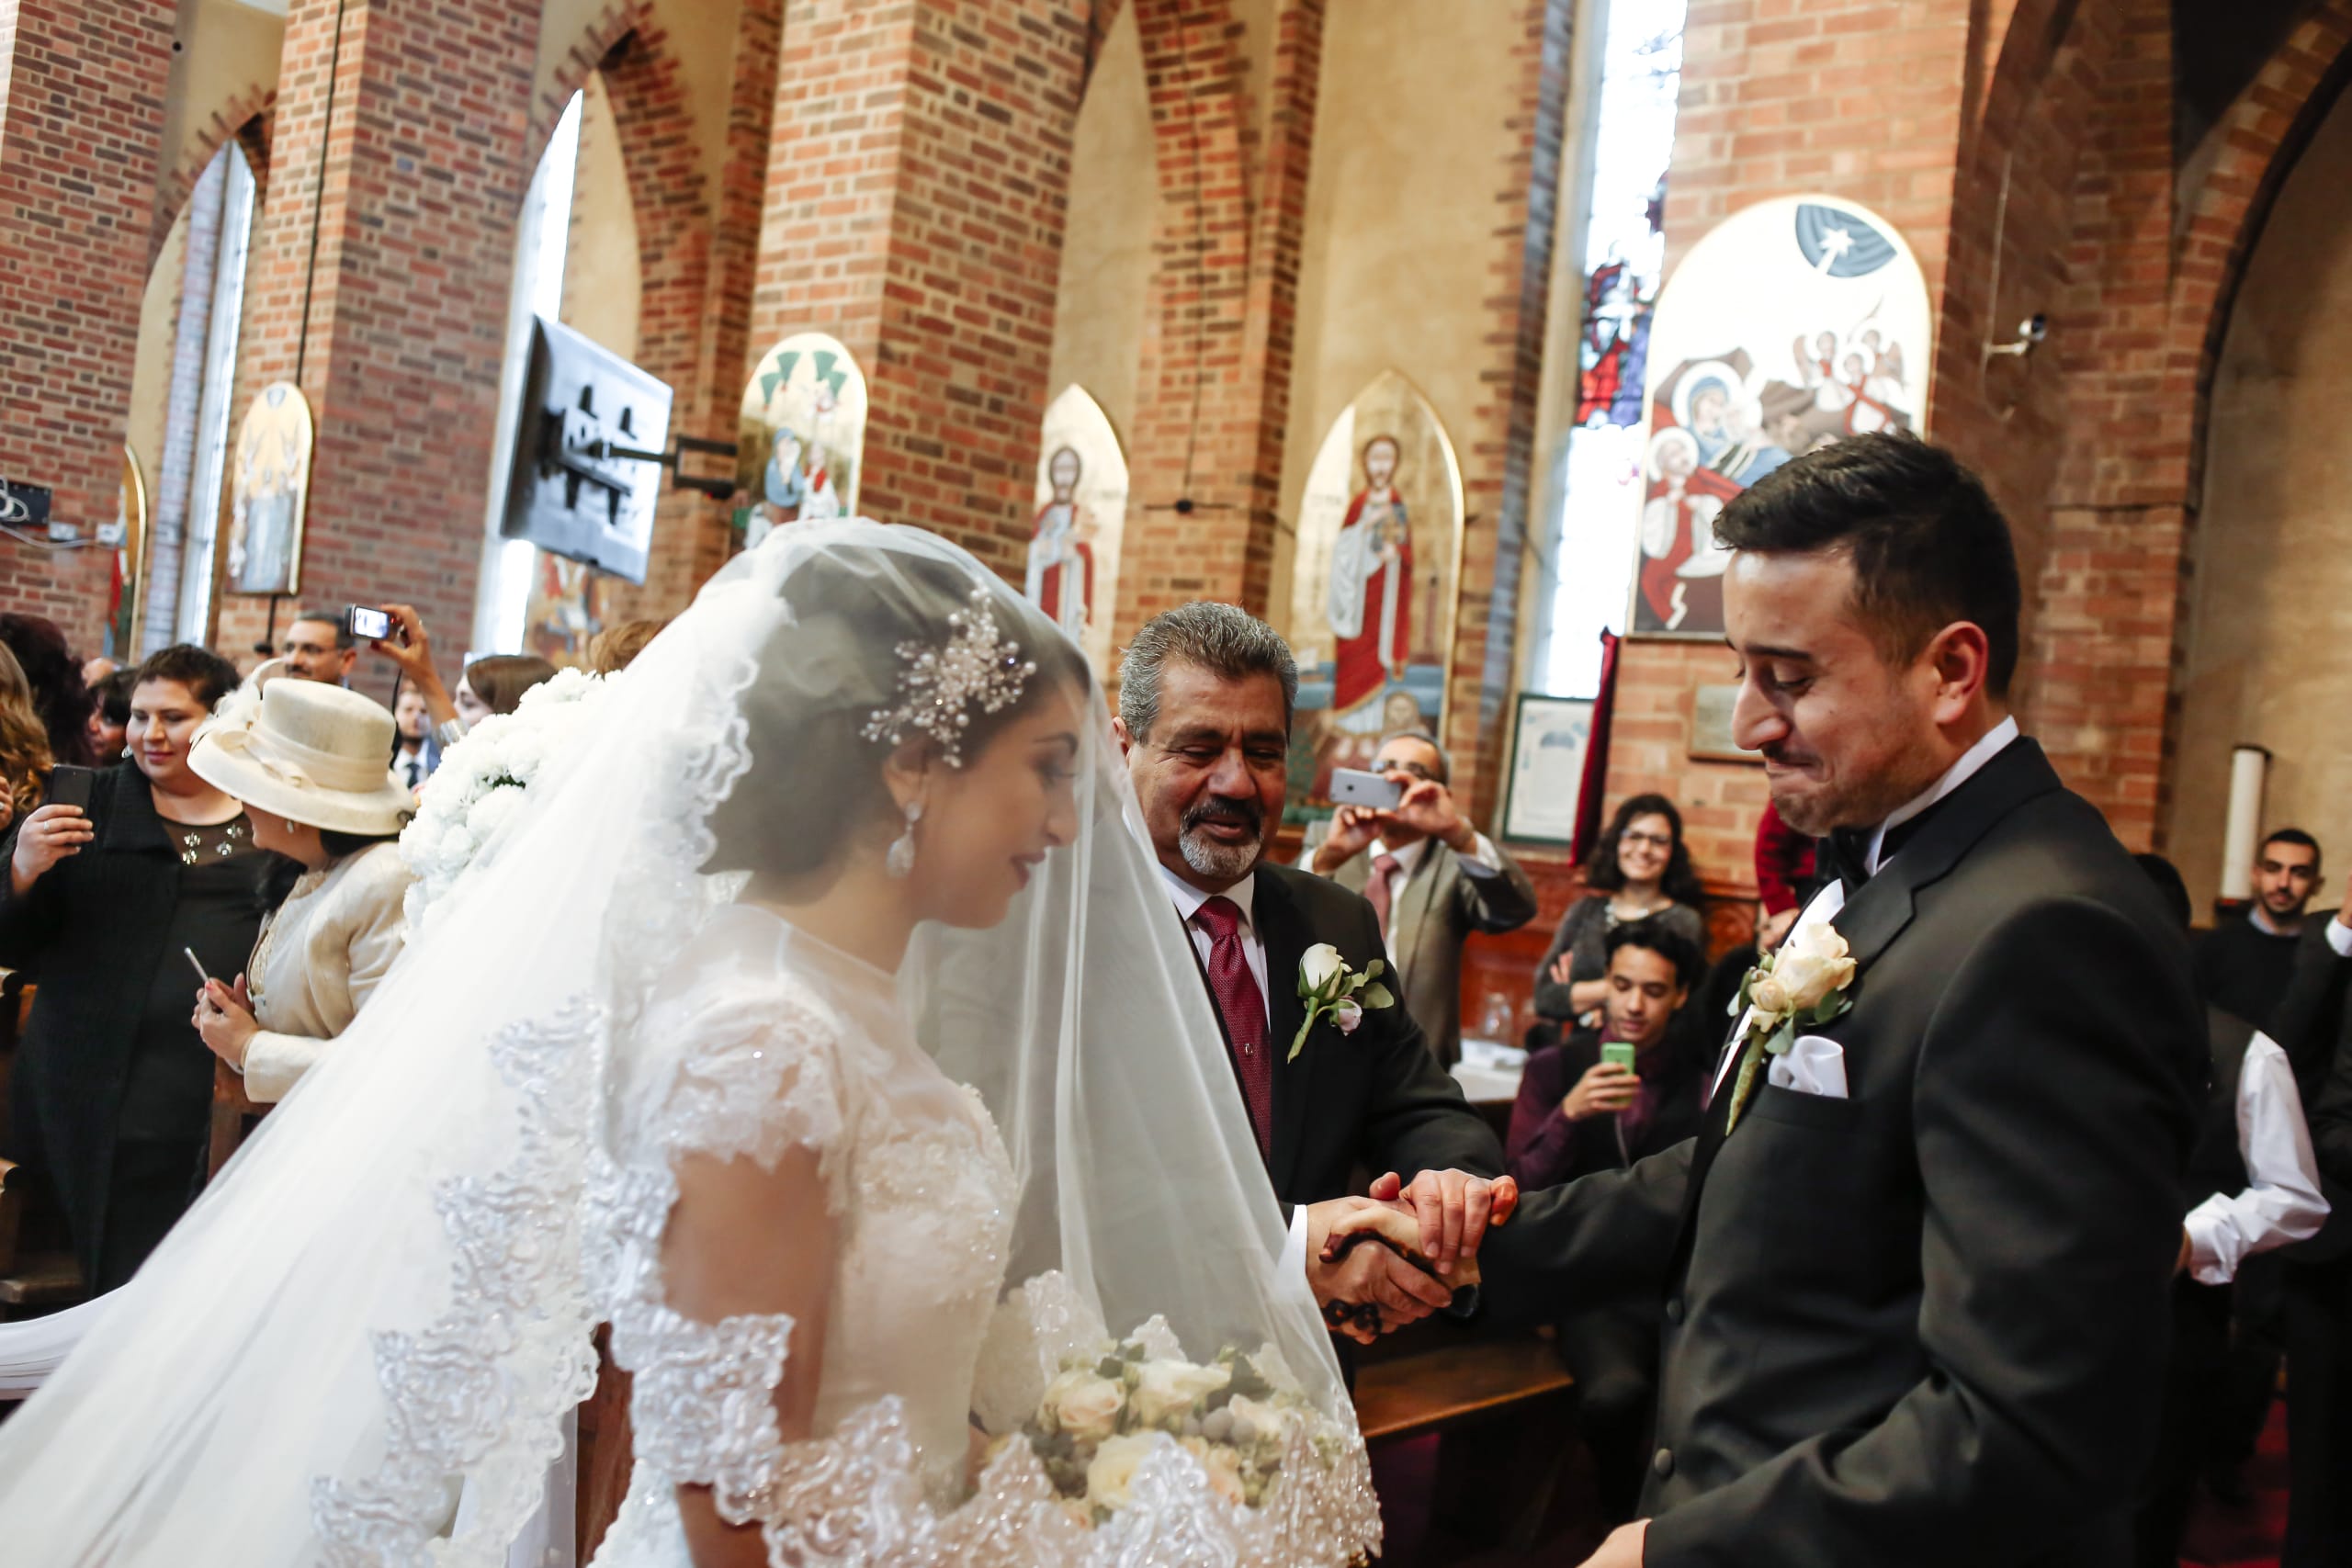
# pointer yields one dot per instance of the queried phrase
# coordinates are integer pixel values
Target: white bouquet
(479, 787)
(1106, 1412)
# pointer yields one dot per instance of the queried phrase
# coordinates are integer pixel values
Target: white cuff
(1483, 853)
(1290, 1271)
(2211, 1261)
(2339, 936)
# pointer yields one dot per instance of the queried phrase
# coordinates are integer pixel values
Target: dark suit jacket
(1928, 1324)
(1436, 909)
(1375, 1098)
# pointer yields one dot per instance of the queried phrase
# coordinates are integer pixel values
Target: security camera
(2032, 331)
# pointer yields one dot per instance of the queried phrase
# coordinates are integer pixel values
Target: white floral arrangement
(1104, 1415)
(479, 785)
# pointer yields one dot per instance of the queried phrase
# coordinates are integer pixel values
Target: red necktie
(1382, 890)
(1243, 1005)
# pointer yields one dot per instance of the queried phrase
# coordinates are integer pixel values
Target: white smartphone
(1354, 786)
(198, 964)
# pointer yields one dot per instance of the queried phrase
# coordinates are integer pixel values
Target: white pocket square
(1811, 1065)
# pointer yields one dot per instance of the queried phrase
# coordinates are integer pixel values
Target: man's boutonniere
(1804, 984)
(1329, 987)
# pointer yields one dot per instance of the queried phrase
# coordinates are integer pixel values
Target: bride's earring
(901, 858)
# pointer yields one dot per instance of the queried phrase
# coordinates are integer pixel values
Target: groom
(1912, 1274)
(1205, 692)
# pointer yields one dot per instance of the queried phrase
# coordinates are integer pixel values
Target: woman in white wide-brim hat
(308, 761)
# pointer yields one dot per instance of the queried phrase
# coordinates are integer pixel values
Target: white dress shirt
(1188, 899)
(2281, 1202)
(1831, 900)
(1480, 856)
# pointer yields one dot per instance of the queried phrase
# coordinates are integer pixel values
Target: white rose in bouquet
(1112, 1472)
(1224, 1466)
(1084, 1405)
(1261, 1421)
(1167, 1390)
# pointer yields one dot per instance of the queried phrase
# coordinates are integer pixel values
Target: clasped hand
(224, 1017)
(1426, 808)
(1439, 1219)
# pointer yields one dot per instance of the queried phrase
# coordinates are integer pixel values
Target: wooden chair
(37, 1271)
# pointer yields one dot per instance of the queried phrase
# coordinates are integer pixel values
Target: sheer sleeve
(722, 1235)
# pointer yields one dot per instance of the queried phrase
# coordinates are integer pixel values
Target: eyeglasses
(1655, 841)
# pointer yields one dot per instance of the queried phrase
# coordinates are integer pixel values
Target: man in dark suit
(1431, 877)
(1205, 695)
(1915, 1265)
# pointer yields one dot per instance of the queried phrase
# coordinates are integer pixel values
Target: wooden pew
(234, 1114)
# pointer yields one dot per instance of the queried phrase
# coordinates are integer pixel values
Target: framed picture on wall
(1550, 738)
(1710, 738)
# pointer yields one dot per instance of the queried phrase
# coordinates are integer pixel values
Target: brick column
(378, 283)
(81, 126)
(917, 178)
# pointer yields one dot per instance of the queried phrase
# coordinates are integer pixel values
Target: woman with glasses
(1640, 870)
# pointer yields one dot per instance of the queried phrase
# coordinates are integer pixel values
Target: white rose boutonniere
(1329, 987)
(1804, 984)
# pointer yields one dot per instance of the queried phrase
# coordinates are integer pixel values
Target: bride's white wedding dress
(782, 1040)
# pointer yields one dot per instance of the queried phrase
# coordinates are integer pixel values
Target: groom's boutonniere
(1804, 984)
(1329, 987)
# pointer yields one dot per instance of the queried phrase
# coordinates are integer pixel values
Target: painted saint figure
(1372, 573)
(1061, 556)
(1683, 567)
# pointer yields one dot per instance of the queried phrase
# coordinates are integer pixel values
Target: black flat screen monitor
(568, 494)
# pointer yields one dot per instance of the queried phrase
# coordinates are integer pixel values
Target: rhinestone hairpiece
(939, 687)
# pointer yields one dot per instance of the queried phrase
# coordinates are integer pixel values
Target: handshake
(1379, 1262)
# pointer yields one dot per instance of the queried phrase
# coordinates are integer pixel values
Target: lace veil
(385, 1303)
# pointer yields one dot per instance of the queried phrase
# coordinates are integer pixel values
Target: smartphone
(69, 785)
(373, 626)
(198, 964)
(1619, 1051)
(1353, 787)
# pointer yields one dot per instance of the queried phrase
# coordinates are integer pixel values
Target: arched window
(1590, 500)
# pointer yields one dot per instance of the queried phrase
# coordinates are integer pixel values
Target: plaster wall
(1106, 248)
(2267, 662)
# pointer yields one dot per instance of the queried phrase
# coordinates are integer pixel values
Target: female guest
(339, 930)
(496, 684)
(1640, 870)
(24, 745)
(113, 1089)
(59, 695)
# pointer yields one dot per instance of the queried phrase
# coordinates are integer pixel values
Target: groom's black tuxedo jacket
(1926, 1324)
(1376, 1097)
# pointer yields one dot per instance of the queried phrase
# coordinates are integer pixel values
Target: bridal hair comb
(939, 685)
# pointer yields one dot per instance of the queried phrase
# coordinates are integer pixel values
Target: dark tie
(414, 764)
(1243, 1007)
(1382, 891)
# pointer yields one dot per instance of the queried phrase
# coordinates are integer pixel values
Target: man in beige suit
(1433, 879)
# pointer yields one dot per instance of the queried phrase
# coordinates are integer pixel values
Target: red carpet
(2223, 1537)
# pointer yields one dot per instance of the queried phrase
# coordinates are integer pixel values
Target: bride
(820, 1026)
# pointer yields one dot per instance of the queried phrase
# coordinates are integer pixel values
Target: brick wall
(81, 120)
(378, 283)
(916, 181)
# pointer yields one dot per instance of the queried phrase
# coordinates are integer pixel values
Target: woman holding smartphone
(107, 895)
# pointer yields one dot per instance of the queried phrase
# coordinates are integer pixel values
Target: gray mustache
(1248, 813)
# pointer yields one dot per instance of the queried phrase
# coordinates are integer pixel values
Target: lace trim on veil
(476, 1400)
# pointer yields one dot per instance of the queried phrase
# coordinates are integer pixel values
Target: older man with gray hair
(1431, 877)
(1206, 698)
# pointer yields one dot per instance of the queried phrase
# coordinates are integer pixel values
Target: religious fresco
(1791, 325)
(1073, 566)
(802, 436)
(269, 491)
(1373, 585)
(570, 602)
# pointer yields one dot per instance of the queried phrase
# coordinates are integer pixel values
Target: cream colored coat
(319, 958)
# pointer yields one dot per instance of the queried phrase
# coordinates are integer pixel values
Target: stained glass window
(1594, 468)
